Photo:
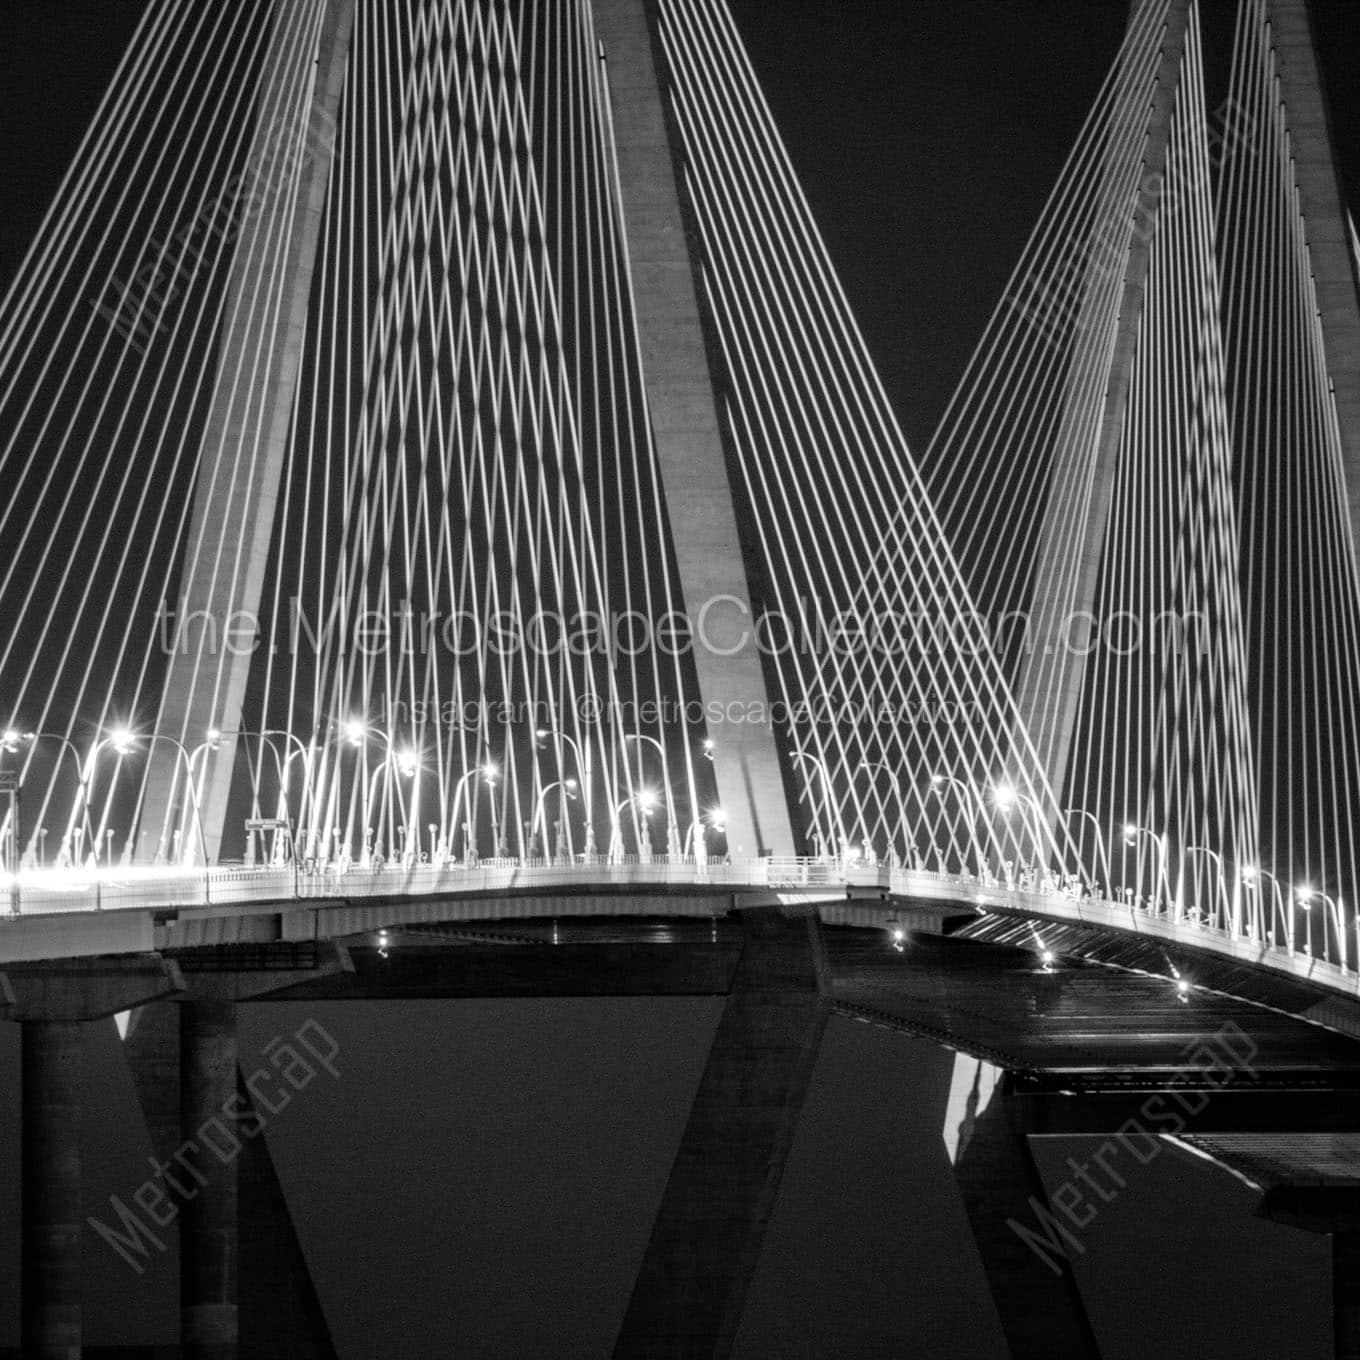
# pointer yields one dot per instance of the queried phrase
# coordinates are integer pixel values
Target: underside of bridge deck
(1083, 1041)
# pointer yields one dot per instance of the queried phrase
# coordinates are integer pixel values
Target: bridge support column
(1334, 1210)
(1035, 1292)
(50, 1193)
(280, 1312)
(1346, 1295)
(52, 1002)
(690, 1291)
(184, 1062)
(209, 1321)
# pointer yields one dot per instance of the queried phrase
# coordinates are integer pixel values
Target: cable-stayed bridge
(445, 482)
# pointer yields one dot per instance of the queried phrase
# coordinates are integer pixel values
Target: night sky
(481, 1180)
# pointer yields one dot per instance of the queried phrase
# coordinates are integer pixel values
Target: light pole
(833, 817)
(121, 740)
(568, 787)
(194, 805)
(1006, 796)
(409, 765)
(644, 801)
(972, 804)
(406, 763)
(583, 768)
(325, 798)
(11, 742)
(1305, 896)
(281, 764)
(910, 835)
(9, 789)
(674, 850)
(1131, 833)
(358, 732)
(1101, 847)
(9, 786)
(1222, 878)
(695, 835)
(488, 772)
(1251, 876)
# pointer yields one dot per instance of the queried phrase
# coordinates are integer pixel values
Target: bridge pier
(1346, 1295)
(280, 1312)
(53, 1002)
(691, 1288)
(1335, 1211)
(185, 1065)
(1032, 1285)
(208, 1220)
(50, 1191)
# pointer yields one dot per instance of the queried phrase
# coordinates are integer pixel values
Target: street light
(584, 770)
(1131, 833)
(873, 766)
(488, 772)
(568, 787)
(358, 732)
(673, 848)
(186, 856)
(833, 814)
(644, 800)
(281, 765)
(324, 783)
(1222, 877)
(406, 763)
(695, 835)
(1250, 876)
(1006, 796)
(1305, 896)
(11, 742)
(121, 740)
(938, 783)
(1068, 814)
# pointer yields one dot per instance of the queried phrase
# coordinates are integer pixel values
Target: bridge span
(84, 913)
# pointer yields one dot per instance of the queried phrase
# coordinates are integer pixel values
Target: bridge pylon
(241, 464)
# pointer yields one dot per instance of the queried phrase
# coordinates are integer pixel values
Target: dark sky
(927, 134)
(478, 1181)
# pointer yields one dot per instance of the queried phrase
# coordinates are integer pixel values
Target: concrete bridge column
(691, 1289)
(52, 1002)
(1032, 1284)
(1334, 1210)
(1346, 1295)
(280, 1311)
(184, 1061)
(209, 1313)
(50, 1193)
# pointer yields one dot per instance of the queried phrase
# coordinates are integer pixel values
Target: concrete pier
(51, 1222)
(690, 1291)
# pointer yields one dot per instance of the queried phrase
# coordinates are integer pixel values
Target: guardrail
(52, 892)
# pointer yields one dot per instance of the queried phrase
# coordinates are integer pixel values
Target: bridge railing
(39, 892)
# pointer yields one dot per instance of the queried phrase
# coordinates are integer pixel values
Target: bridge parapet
(58, 910)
